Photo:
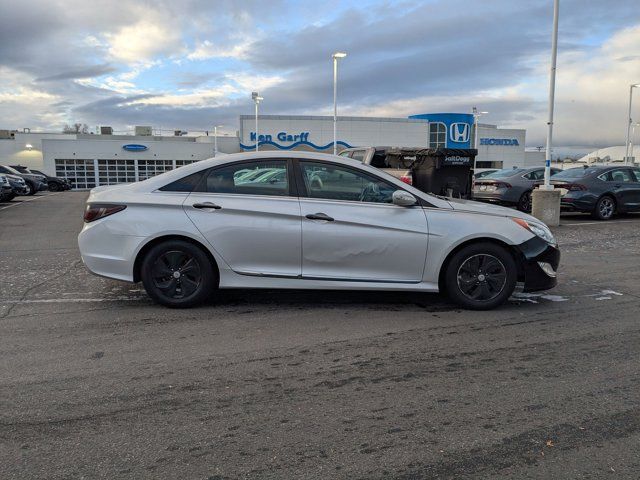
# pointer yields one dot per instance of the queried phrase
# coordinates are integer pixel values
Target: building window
(151, 168)
(81, 172)
(437, 135)
(112, 172)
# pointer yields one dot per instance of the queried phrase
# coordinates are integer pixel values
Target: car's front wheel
(481, 276)
(178, 274)
(30, 188)
(55, 187)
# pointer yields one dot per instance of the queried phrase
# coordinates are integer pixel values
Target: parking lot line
(596, 223)
(29, 200)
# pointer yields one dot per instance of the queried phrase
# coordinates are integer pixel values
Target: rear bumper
(534, 255)
(497, 198)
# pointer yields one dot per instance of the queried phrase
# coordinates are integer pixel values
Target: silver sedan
(308, 221)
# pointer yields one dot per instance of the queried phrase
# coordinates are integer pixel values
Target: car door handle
(207, 205)
(319, 216)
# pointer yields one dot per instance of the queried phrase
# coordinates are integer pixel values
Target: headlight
(539, 229)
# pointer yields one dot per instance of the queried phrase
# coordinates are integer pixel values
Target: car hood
(488, 209)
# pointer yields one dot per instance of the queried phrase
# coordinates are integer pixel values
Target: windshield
(12, 170)
(579, 172)
(507, 172)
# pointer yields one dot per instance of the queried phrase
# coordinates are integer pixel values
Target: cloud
(80, 73)
(143, 42)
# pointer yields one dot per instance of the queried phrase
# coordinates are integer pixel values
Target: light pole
(256, 99)
(552, 91)
(633, 136)
(335, 57)
(215, 139)
(630, 120)
(476, 140)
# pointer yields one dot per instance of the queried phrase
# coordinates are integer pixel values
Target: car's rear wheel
(55, 187)
(524, 204)
(481, 276)
(605, 208)
(178, 274)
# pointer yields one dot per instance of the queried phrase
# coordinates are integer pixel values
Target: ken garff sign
(134, 147)
(282, 137)
(459, 132)
(512, 142)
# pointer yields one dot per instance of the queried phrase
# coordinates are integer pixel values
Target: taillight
(502, 185)
(574, 187)
(96, 211)
(408, 179)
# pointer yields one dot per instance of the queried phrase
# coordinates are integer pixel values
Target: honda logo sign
(459, 132)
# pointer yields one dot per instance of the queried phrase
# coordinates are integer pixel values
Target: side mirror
(403, 199)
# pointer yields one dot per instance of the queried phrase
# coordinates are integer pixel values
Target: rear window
(574, 173)
(507, 172)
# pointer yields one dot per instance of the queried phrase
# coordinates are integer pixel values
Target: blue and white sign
(134, 147)
(282, 137)
(459, 132)
(459, 127)
(509, 142)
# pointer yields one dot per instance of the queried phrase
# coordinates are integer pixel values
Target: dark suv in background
(55, 184)
(602, 191)
(33, 182)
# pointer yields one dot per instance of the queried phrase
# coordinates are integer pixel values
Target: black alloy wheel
(524, 204)
(605, 208)
(177, 273)
(481, 276)
(55, 187)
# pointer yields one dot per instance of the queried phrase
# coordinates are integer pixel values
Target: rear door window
(622, 175)
(249, 178)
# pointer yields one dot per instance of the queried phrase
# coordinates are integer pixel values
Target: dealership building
(106, 159)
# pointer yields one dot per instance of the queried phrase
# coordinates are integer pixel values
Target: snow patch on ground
(531, 297)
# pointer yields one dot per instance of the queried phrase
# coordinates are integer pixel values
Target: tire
(605, 208)
(10, 197)
(524, 204)
(481, 276)
(31, 188)
(164, 275)
(55, 187)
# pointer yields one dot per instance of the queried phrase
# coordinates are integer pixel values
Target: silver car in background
(308, 221)
(511, 187)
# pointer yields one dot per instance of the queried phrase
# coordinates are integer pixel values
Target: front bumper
(533, 255)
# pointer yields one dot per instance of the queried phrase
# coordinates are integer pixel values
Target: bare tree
(76, 128)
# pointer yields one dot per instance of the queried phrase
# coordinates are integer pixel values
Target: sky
(192, 64)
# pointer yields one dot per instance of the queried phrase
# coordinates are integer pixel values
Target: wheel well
(495, 241)
(137, 265)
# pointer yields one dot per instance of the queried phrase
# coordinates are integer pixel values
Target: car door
(352, 231)
(622, 184)
(634, 203)
(254, 224)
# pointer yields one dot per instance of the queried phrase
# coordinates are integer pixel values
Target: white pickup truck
(442, 171)
(377, 157)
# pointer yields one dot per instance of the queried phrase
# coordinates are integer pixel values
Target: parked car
(18, 185)
(6, 192)
(55, 184)
(192, 230)
(510, 186)
(442, 171)
(34, 183)
(483, 173)
(602, 191)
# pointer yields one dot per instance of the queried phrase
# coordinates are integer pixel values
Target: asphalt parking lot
(98, 382)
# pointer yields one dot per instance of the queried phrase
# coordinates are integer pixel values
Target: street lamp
(476, 140)
(552, 91)
(633, 136)
(256, 99)
(630, 120)
(335, 57)
(215, 139)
